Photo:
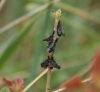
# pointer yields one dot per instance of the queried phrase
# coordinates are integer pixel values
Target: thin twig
(62, 89)
(57, 16)
(24, 17)
(2, 3)
(37, 78)
(48, 80)
(87, 80)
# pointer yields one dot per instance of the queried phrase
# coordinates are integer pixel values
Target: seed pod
(50, 62)
(49, 39)
(52, 46)
(60, 30)
(44, 64)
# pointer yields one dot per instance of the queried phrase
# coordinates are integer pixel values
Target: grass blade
(77, 11)
(12, 46)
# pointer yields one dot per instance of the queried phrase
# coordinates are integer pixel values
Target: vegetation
(23, 26)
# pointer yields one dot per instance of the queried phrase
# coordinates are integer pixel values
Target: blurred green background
(22, 49)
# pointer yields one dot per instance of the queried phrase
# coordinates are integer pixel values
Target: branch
(37, 78)
(2, 3)
(52, 41)
(48, 80)
(60, 90)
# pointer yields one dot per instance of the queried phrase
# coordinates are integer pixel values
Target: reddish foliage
(94, 84)
(17, 87)
(19, 84)
(9, 84)
(96, 68)
(75, 83)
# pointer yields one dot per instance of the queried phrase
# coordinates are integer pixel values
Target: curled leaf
(19, 84)
(10, 85)
(17, 87)
(50, 61)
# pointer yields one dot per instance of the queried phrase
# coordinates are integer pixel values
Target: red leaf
(96, 68)
(75, 83)
(9, 84)
(19, 84)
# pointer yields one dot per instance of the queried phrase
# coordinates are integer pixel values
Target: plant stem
(49, 70)
(48, 80)
(57, 16)
(44, 72)
(2, 3)
(60, 90)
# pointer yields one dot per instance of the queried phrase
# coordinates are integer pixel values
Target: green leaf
(5, 89)
(14, 43)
